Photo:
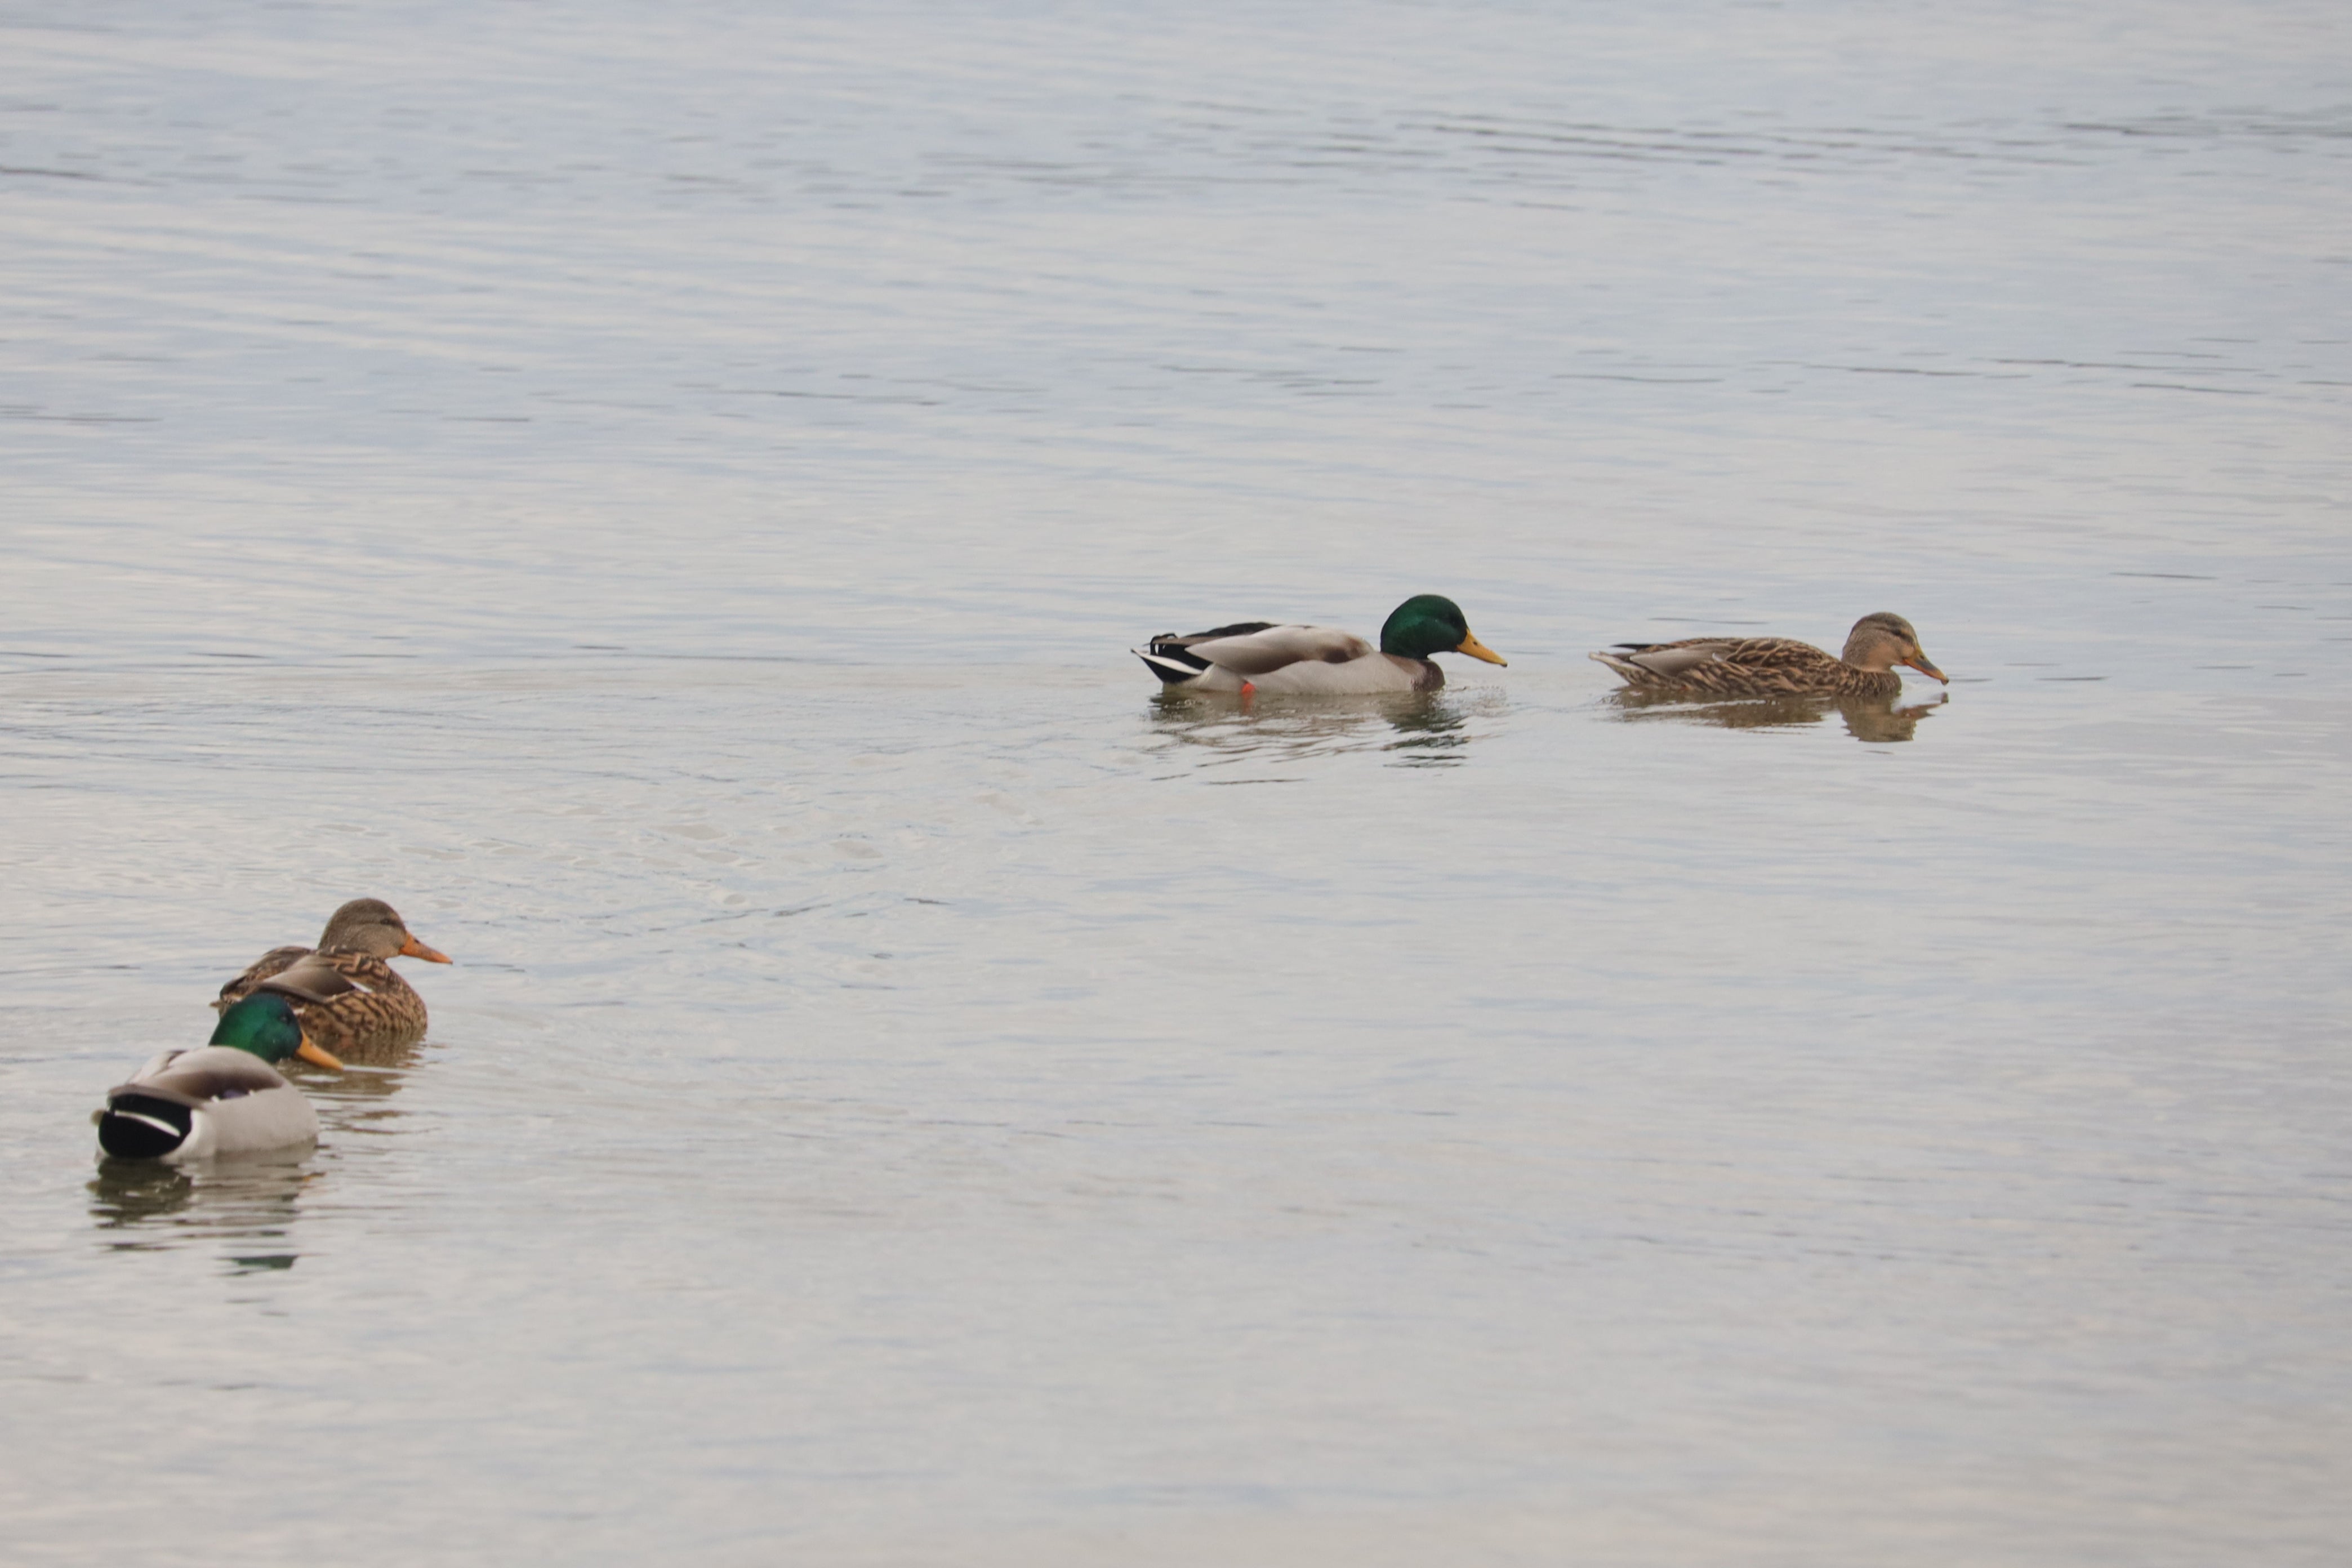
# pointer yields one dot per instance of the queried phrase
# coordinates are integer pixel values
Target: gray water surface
(662, 495)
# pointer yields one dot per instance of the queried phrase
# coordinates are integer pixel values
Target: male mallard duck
(1259, 655)
(224, 1098)
(371, 1008)
(1775, 667)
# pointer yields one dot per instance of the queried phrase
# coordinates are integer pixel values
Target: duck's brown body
(349, 998)
(1776, 667)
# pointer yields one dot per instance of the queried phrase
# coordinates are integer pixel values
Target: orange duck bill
(310, 1051)
(415, 949)
(1476, 649)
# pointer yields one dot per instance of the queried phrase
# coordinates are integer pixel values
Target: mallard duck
(1776, 667)
(226, 1096)
(1260, 656)
(367, 1005)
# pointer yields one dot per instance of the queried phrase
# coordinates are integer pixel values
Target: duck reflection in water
(1425, 729)
(1875, 720)
(248, 1204)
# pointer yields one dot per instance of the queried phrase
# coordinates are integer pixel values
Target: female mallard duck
(1259, 655)
(371, 1008)
(224, 1098)
(1776, 667)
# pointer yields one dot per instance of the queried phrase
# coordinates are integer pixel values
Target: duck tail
(1171, 661)
(1631, 673)
(136, 1126)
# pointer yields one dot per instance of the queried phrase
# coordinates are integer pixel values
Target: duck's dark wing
(315, 977)
(1166, 640)
(276, 960)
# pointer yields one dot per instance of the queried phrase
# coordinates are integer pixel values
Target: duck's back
(186, 1105)
(276, 960)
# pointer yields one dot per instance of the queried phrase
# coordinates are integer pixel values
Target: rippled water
(662, 496)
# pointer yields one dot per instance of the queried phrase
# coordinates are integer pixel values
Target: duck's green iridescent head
(1430, 624)
(264, 1024)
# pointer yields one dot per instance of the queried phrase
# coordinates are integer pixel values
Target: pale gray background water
(661, 495)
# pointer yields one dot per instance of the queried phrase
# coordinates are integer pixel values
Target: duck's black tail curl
(142, 1127)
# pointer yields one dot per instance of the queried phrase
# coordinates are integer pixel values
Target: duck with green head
(1308, 660)
(226, 1096)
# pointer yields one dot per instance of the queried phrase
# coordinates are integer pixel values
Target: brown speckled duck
(347, 996)
(1776, 667)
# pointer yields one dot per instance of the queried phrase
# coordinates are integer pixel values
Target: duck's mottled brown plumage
(1776, 667)
(349, 998)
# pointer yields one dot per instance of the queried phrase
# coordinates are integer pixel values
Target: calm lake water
(663, 494)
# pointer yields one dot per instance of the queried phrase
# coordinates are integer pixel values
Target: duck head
(1430, 624)
(1882, 640)
(373, 927)
(263, 1025)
